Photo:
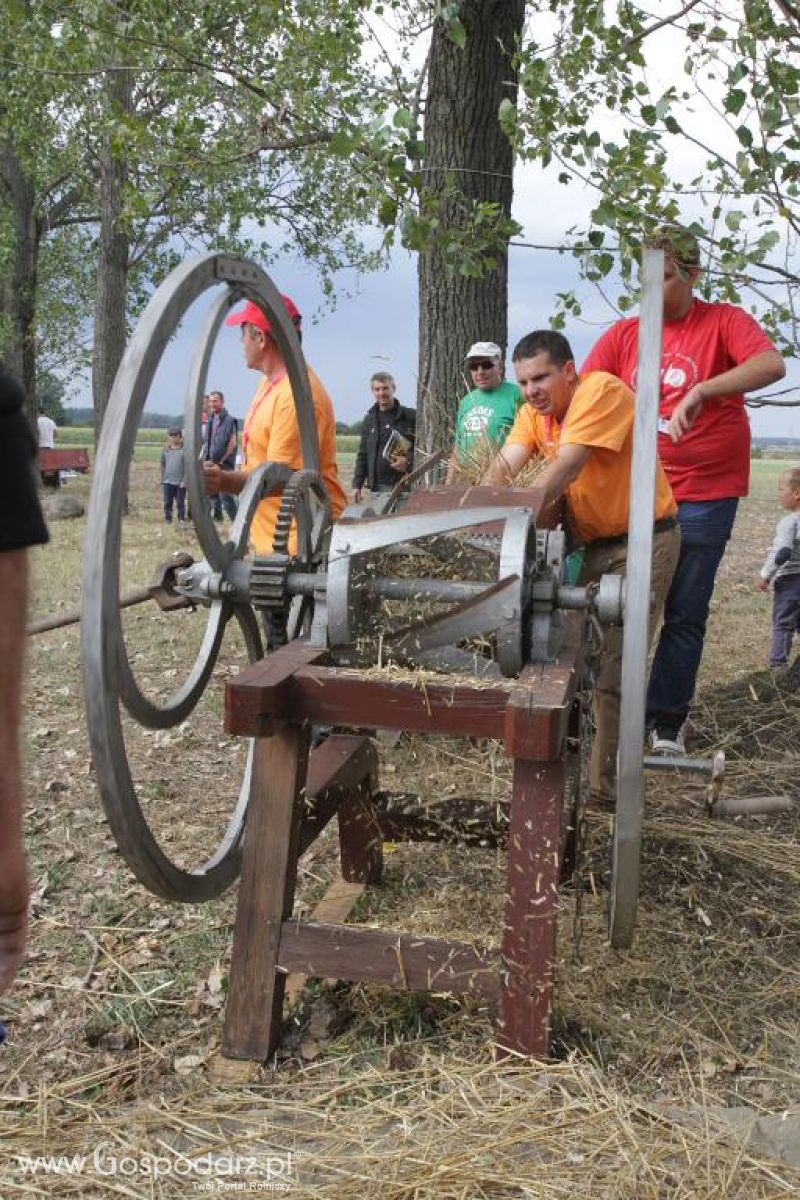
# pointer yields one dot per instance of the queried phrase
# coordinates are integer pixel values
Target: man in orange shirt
(584, 428)
(271, 432)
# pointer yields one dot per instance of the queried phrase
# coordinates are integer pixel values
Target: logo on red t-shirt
(679, 374)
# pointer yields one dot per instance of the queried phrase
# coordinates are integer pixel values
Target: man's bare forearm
(13, 874)
(13, 598)
(759, 371)
(233, 481)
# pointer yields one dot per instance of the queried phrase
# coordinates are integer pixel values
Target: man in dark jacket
(222, 433)
(386, 451)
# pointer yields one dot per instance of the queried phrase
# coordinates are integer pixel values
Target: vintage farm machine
(324, 607)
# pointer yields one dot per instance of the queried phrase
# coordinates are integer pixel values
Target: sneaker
(668, 741)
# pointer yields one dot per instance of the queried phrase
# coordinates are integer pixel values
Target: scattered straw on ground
(678, 1063)
(441, 1127)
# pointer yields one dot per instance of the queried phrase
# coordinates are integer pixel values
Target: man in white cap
(487, 412)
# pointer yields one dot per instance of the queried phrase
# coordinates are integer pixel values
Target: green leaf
(415, 231)
(507, 115)
(734, 101)
(605, 263)
(457, 32)
(387, 211)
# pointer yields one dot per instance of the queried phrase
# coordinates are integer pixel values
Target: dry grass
(116, 1018)
(473, 464)
(443, 1126)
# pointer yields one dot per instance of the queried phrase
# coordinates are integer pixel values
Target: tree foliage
(232, 123)
(711, 141)
(51, 394)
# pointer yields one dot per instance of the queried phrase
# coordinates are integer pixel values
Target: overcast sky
(376, 328)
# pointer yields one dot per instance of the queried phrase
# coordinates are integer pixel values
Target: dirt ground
(676, 1066)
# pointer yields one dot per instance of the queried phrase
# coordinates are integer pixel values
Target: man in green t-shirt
(486, 413)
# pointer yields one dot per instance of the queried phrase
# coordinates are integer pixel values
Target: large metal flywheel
(109, 681)
(629, 819)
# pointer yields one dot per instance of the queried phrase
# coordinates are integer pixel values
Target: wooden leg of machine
(266, 894)
(360, 842)
(529, 934)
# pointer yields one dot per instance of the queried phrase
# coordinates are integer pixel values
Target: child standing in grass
(782, 570)
(173, 476)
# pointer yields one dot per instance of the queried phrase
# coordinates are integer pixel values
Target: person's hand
(399, 464)
(13, 912)
(685, 413)
(762, 584)
(212, 473)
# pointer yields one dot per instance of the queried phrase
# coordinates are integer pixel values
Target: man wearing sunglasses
(486, 413)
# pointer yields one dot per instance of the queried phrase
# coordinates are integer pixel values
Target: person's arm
(784, 541)
(452, 467)
(402, 462)
(13, 873)
(217, 480)
(757, 372)
(559, 474)
(507, 463)
(233, 440)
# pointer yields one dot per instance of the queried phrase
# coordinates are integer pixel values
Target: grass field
(115, 1021)
(150, 442)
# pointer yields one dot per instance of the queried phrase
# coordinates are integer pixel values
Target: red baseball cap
(251, 314)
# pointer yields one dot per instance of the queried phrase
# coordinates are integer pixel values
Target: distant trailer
(53, 462)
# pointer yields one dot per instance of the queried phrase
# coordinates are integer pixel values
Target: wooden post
(360, 840)
(266, 893)
(529, 933)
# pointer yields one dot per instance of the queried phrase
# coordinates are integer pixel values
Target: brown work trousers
(607, 665)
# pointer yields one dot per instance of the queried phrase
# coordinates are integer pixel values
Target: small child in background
(782, 570)
(173, 476)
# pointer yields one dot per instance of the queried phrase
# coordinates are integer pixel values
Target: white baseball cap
(484, 350)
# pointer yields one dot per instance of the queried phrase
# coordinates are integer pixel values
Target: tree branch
(790, 11)
(639, 37)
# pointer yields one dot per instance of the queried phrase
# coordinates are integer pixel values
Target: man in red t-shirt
(711, 355)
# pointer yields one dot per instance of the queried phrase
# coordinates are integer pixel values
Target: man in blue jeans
(711, 355)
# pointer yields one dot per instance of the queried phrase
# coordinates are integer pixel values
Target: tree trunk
(113, 252)
(18, 288)
(465, 146)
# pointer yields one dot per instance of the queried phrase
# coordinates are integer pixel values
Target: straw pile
(472, 464)
(442, 1127)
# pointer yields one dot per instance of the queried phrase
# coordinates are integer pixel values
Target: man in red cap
(271, 432)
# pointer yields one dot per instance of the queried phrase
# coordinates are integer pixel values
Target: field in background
(150, 442)
(116, 1019)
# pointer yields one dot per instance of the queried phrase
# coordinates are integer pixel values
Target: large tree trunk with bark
(465, 148)
(18, 287)
(113, 255)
